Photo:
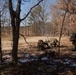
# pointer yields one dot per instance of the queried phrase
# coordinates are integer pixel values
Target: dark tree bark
(15, 22)
(0, 40)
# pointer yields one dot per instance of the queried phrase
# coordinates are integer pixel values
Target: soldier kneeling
(54, 42)
(73, 40)
(41, 45)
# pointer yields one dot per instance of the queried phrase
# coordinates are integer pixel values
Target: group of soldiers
(47, 44)
(41, 45)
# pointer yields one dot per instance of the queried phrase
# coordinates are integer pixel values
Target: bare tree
(15, 22)
(0, 40)
(39, 17)
(62, 29)
(67, 6)
(2, 7)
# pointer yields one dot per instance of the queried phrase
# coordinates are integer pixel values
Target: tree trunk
(15, 33)
(0, 40)
(61, 30)
(15, 44)
(15, 22)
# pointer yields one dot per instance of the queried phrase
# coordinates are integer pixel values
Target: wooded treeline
(39, 21)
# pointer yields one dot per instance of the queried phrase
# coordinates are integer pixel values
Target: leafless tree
(15, 22)
(2, 7)
(0, 40)
(65, 6)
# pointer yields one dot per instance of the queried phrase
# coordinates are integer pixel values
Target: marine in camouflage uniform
(73, 39)
(41, 45)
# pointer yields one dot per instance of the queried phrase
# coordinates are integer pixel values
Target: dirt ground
(7, 42)
(65, 64)
(23, 46)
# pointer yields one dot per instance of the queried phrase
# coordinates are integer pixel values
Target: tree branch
(11, 7)
(18, 8)
(31, 9)
(24, 38)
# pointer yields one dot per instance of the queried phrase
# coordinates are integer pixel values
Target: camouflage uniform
(73, 39)
(42, 45)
